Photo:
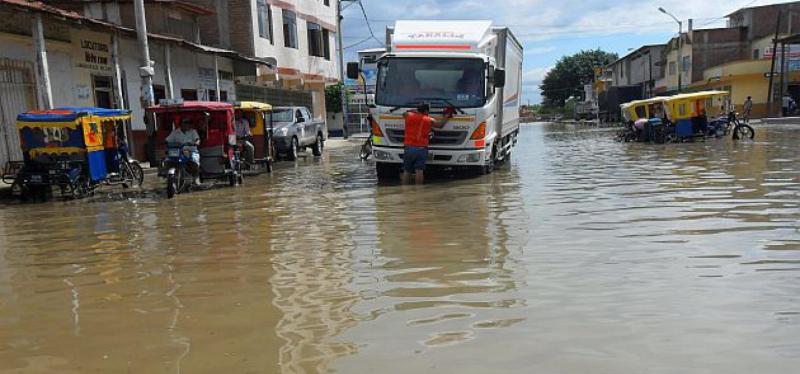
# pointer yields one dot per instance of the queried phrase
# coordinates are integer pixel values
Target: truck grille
(440, 137)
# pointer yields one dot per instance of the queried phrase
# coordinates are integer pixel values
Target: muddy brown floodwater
(583, 256)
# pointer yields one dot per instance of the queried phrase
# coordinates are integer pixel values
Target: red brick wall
(209, 27)
(764, 19)
(712, 47)
(241, 26)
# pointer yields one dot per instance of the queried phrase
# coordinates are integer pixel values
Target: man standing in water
(748, 106)
(417, 136)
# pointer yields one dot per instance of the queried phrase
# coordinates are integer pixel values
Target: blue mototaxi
(75, 149)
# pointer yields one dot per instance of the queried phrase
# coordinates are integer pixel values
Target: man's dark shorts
(414, 158)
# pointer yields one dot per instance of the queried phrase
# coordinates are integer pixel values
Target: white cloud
(540, 50)
(534, 77)
(547, 20)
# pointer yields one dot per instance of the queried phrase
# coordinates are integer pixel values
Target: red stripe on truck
(432, 46)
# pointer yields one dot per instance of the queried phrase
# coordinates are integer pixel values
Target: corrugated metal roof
(38, 6)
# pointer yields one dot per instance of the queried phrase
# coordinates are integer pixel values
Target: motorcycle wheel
(745, 131)
(171, 186)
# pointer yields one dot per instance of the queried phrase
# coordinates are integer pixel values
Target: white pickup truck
(469, 65)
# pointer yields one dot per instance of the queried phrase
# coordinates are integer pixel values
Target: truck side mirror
(352, 70)
(499, 78)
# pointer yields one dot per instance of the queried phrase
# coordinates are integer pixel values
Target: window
(441, 81)
(264, 15)
(289, 29)
(640, 112)
(326, 2)
(672, 68)
(756, 55)
(103, 96)
(685, 64)
(314, 32)
(212, 95)
(326, 44)
(159, 93)
(189, 94)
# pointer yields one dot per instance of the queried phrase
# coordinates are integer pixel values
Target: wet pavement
(584, 255)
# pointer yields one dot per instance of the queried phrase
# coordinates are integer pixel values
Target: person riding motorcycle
(189, 140)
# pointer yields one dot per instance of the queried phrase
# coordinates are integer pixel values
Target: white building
(299, 34)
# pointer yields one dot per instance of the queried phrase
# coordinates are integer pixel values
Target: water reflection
(585, 255)
(444, 266)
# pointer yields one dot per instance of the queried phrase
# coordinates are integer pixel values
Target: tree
(333, 98)
(570, 74)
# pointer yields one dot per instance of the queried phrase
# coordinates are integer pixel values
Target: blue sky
(548, 29)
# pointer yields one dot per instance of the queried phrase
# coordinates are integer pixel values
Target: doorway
(103, 91)
(17, 95)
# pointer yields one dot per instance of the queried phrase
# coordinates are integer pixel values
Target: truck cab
(458, 64)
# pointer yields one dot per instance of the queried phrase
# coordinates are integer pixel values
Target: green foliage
(333, 98)
(570, 74)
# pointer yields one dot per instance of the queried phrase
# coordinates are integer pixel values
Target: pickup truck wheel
(386, 171)
(318, 146)
(294, 148)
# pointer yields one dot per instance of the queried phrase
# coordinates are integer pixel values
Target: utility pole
(43, 71)
(146, 72)
(772, 68)
(342, 92)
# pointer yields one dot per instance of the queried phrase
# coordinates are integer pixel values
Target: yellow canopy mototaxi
(259, 115)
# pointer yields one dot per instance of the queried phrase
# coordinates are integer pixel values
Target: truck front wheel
(386, 171)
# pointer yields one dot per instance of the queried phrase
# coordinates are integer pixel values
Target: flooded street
(585, 255)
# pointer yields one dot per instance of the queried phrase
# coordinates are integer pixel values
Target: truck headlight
(469, 157)
(381, 155)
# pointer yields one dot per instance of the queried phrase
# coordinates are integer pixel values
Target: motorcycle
(174, 168)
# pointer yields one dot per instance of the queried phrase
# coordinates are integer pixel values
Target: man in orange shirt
(417, 135)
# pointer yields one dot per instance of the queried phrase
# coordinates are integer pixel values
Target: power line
(369, 26)
(356, 44)
(721, 17)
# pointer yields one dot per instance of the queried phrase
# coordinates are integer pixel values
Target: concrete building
(95, 62)
(737, 58)
(300, 34)
(641, 67)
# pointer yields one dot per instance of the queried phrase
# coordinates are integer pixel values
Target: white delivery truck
(469, 65)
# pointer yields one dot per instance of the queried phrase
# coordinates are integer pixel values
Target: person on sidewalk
(747, 108)
(417, 137)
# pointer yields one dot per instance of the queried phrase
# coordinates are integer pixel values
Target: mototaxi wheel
(137, 172)
(318, 146)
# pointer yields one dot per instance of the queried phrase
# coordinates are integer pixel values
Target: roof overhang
(243, 65)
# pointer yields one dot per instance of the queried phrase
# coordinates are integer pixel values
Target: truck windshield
(283, 115)
(410, 81)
